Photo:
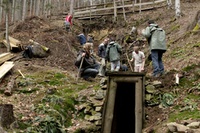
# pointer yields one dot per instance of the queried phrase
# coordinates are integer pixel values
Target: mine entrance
(124, 108)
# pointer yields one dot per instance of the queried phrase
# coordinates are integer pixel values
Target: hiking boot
(157, 75)
(162, 73)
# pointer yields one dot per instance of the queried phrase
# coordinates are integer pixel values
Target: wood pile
(14, 43)
(5, 57)
(7, 66)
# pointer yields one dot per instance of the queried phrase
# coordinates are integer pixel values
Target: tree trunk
(7, 115)
(140, 6)
(115, 11)
(169, 3)
(13, 11)
(7, 27)
(1, 11)
(38, 8)
(24, 11)
(31, 8)
(177, 8)
(71, 7)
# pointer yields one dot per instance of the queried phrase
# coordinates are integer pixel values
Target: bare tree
(71, 7)
(38, 8)
(31, 8)
(24, 10)
(1, 10)
(13, 11)
(6, 5)
(177, 8)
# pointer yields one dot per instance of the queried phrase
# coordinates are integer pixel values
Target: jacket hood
(112, 42)
(153, 27)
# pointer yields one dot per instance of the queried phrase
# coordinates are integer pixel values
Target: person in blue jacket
(82, 39)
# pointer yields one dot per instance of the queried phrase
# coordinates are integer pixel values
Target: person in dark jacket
(82, 39)
(102, 53)
(89, 68)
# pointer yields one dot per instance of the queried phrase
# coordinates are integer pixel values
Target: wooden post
(124, 10)
(115, 10)
(90, 11)
(110, 103)
(138, 106)
(133, 5)
(140, 6)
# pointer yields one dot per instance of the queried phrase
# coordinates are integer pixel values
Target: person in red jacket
(68, 21)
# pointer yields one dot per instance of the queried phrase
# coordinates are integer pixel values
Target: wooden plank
(5, 57)
(14, 41)
(11, 44)
(138, 106)
(7, 66)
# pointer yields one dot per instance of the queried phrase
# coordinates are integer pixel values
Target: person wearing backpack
(113, 53)
(157, 43)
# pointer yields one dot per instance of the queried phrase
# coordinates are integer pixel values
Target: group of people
(110, 51)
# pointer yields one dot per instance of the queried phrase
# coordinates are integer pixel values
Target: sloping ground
(183, 50)
(61, 44)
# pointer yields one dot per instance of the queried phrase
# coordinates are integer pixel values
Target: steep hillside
(32, 96)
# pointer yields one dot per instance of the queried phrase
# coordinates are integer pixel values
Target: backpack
(158, 38)
(160, 35)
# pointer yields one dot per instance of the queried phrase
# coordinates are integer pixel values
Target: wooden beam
(5, 57)
(14, 41)
(7, 66)
(11, 44)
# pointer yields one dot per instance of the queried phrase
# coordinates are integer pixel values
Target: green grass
(195, 114)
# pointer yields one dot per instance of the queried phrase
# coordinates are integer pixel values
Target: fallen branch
(21, 73)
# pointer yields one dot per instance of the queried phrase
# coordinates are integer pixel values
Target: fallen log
(10, 86)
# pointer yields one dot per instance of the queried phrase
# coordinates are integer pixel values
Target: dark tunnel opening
(124, 109)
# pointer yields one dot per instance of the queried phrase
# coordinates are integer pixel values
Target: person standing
(113, 53)
(139, 59)
(102, 53)
(68, 22)
(89, 66)
(157, 43)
